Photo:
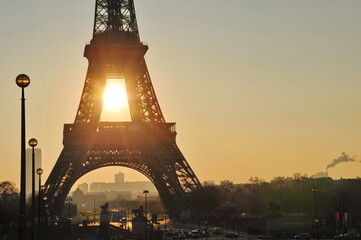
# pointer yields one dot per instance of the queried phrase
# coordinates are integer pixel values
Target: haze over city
(257, 88)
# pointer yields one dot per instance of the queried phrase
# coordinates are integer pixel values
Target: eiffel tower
(146, 143)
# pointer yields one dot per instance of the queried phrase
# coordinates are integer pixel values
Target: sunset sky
(257, 87)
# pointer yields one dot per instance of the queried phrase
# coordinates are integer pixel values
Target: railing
(104, 127)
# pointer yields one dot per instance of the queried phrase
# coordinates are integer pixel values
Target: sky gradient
(257, 87)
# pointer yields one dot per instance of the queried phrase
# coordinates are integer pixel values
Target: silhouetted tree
(274, 210)
(9, 204)
(226, 187)
(254, 188)
(204, 200)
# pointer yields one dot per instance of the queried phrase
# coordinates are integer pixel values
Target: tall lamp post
(22, 81)
(32, 143)
(165, 225)
(146, 213)
(314, 190)
(46, 214)
(39, 171)
(94, 212)
(69, 200)
(206, 230)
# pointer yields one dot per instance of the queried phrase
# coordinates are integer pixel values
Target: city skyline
(257, 88)
(118, 184)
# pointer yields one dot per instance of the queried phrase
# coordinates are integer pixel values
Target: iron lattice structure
(146, 143)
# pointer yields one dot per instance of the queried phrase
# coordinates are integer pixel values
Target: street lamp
(314, 190)
(94, 212)
(206, 230)
(165, 225)
(22, 81)
(69, 200)
(39, 171)
(146, 213)
(46, 213)
(32, 143)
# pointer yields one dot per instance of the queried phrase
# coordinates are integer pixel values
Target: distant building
(28, 173)
(209, 183)
(134, 187)
(138, 187)
(89, 201)
(84, 187)
(119, 185)
(320, 175)
(119, 178)
(97, 187)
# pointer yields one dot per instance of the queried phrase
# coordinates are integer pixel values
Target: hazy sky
(257, 88)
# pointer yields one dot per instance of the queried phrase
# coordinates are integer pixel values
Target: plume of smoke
(343, 158)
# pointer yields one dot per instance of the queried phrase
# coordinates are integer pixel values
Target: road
(242, 235)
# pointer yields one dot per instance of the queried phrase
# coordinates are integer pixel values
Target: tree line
(336, 201)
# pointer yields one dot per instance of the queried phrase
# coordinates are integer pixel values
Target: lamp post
(146, 213)
(165, 225)
(206, 230)
(314, 190)
(32, 143)
(22, 81)
(46, 214)
(69, 200)
(94, 212)
(39, 171)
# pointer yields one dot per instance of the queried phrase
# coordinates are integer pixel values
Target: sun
(115, 95)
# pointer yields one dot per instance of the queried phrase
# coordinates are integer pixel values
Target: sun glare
(115, 96)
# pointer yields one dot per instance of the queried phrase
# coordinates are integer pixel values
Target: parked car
(340, 236)
(217, 230)
(346, 236)
(169, 233)
(205, 234)
(195, 234)
(182, 236)
(350, 236)
(303, 236)
(231, 235)
(265, 236)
